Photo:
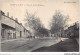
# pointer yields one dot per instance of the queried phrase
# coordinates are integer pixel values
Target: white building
(11, 29)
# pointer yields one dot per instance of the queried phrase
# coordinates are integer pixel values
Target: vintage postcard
(39, 25)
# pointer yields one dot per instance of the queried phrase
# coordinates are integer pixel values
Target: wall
(18, 28)
(8, 27)
(8, 21)
(20, 31)
(11, 29)
(0, 30)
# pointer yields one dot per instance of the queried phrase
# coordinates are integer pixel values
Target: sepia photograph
(39, 25)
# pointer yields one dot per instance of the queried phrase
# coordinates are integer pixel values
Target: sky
(44, 9)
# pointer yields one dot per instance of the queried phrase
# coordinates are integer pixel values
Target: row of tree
(58, 23)
(34, 23)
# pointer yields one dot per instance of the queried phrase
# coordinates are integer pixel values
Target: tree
(58, 22)
(34, 23)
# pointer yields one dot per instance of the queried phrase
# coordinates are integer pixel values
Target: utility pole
(0, 30)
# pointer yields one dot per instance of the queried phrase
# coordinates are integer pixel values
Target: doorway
(20, 34)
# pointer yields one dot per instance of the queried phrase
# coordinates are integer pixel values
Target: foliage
(35, 24)
(58, 22)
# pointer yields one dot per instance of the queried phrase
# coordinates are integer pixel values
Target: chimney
(20, 23)
(8, 14)
(12, 17)
(16, 19)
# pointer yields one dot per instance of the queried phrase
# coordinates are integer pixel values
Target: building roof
(13, 20)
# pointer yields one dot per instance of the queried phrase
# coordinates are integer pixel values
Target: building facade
(11, 29)
(73, 31)
(70, 32)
